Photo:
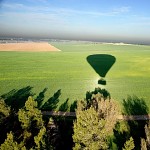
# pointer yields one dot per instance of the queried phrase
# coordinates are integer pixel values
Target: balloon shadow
(101, 63)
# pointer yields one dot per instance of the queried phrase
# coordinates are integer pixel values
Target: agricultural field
(76, 69)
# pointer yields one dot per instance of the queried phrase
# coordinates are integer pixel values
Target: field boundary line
(119, 117)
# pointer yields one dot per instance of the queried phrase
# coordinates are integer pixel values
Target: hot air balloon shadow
(101, 63)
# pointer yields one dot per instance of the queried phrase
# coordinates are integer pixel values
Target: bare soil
(28, 46)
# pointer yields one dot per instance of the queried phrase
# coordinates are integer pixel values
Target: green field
(70, 71)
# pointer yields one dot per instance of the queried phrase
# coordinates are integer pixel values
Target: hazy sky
(122, 20)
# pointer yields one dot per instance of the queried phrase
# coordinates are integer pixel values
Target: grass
(70, 71)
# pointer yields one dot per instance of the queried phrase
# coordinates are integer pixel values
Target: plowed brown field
(28, 46)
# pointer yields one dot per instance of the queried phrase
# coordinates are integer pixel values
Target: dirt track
(119, 117)
(28, 46)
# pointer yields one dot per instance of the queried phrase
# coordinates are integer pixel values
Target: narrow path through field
(119, 117)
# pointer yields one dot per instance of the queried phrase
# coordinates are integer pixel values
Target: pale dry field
(28, 46)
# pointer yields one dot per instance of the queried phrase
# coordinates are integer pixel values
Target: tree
(143, 144)
(30, 113)
(129, 145)
(89, 131)
(32, 124)
(32, 132)
(10, 144)
(39, 140)
(25, 129)
(5, 115)
(147, 141)
(95, 123)
(4, 110)
(147, 131)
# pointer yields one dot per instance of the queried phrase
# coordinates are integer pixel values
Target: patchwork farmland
(71, 71)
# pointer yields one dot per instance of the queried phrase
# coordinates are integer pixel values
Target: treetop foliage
(96, 118)
(30, 113)
(129, 145)
(89, 132)
(4, 109)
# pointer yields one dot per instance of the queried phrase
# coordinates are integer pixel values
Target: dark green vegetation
(95, 126)
(132, 128)
(29, 129)
(70, 71)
